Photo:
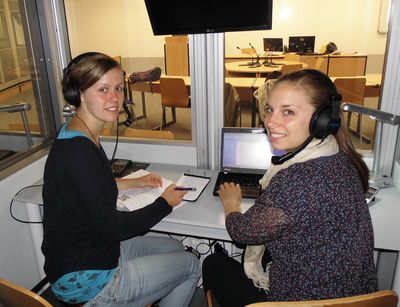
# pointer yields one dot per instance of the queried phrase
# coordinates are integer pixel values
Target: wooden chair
(352, 90)
(151, 134)
(290, 68)
(12, 295)
(384, 298)
(174, 95)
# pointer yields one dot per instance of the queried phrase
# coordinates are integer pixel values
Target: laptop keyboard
(243, 180)
(248, 183)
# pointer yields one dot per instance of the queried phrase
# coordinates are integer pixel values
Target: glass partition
(128, 36)
(345, 48)
(26, 119)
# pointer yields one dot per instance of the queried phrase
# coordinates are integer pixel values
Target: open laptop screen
(245, 150)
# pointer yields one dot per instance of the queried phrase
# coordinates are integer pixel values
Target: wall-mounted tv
(208, 16)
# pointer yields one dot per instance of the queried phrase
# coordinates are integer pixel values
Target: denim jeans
(149, 269)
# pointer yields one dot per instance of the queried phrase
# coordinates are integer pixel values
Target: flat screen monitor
(273, 44)
(301, 44)
(208, 16)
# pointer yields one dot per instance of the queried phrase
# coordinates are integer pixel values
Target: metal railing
(20, 107)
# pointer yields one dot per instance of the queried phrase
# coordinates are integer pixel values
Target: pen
(185, 189)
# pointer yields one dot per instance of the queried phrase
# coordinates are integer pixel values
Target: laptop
(245, 156)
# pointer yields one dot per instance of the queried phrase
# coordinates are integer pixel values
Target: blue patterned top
(82, 286)
(315, 223)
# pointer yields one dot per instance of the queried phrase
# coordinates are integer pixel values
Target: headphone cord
(116, 141)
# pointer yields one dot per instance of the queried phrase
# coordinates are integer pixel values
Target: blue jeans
(149, 269)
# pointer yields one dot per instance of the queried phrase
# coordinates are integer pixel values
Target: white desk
(205, 218)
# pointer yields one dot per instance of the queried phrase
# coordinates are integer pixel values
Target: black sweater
(82, 227)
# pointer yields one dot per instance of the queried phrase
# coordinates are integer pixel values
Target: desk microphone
(244, 51)
(257, 63)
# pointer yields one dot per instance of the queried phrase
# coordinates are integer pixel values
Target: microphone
(278, 160)
(244, 51)
(257, 63)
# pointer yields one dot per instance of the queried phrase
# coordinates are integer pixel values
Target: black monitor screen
(301, 44)
(273, 44)
(208, 16)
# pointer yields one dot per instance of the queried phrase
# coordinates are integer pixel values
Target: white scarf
(253, 253)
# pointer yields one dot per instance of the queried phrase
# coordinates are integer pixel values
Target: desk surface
(205, 217)
(236, 67)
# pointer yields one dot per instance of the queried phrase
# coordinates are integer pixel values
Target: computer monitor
(301, 44)
(273, 44)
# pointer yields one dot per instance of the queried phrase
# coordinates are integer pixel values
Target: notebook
(245, 157)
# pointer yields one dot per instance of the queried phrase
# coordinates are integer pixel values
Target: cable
(12, 201)
(116, 142)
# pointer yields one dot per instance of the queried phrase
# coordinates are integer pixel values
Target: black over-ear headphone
(70, 89)
(326, 119)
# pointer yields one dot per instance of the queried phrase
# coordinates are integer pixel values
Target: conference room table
(242, 68)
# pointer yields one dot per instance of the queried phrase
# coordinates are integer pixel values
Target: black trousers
(226, 279)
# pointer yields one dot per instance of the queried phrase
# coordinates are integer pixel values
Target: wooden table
(242, 68)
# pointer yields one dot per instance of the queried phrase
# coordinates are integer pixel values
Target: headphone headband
(70, 89)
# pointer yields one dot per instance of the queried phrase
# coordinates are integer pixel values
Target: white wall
(122, 27)
(352, 25)
(17, 258)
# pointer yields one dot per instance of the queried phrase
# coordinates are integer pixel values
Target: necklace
(90, 131)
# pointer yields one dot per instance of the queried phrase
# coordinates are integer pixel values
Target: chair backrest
(290, 68)
(12, 295)
(352, 89)
(174, 93)
(384, 298)
(153, 134)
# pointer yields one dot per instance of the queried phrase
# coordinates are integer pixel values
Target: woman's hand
(172, 196)
(149, 180)
(231, 196)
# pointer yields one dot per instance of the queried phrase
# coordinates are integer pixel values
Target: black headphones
(70, 89)
(325, 120)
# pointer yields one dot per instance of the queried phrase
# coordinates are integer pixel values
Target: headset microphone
(277, 160)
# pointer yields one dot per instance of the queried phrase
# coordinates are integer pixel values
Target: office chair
(174, 95)
(384, 298)
(352, 90)
(12, 295)
(151, 134)
(288, 68)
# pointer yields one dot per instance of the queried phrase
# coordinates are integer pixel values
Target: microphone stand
(257, 62)
(271, 63)
(252, 58)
